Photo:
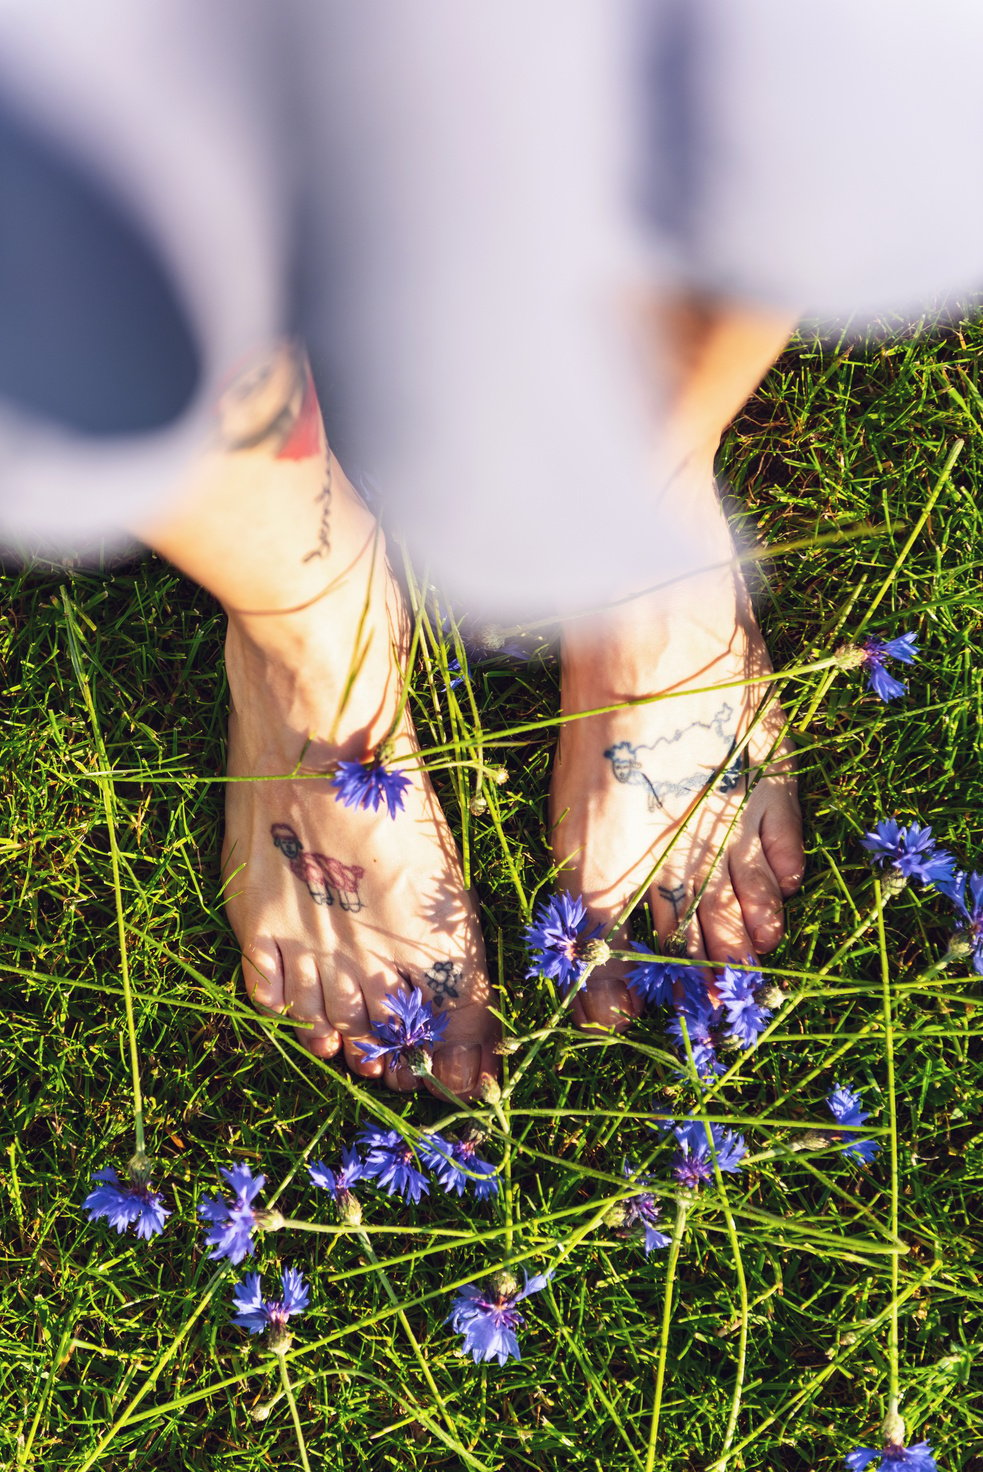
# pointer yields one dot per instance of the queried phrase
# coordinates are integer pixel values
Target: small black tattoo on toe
(443, 978)
(675, 896)
(326, 879)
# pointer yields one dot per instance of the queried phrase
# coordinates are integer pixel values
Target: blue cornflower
(642, 1211)
(655, 979)
(737, 989)
(694, 1162)
(875, 652)
(389, 1161)
(912, 851)
(456, 1164)
(338, 1182)
(234, 1223)
(369, 785)
(488, 1320)
(701, 1020)
(130, 1205)
(557, 937)
(259, 1314)
(844, 1105)
(893, 1458)
(966, 893)
(416, 1028)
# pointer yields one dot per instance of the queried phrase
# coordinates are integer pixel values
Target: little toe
(781, 840)
(262, 975)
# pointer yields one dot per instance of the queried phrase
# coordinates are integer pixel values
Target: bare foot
(657, 794)
(336, 906)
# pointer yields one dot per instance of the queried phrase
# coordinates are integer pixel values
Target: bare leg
(333, 907)
(626, 784)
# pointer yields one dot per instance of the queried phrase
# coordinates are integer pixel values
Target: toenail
(457, 1066)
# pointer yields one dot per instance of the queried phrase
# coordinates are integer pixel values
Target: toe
(760, 896)
(304, 1002)
(262, 974)
(725, 937)
(458, 1067)
(781, 840)
(606, 1002)
(465, 1054)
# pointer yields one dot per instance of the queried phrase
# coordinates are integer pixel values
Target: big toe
(781, 840)
(606, 1002)
(465, 1056)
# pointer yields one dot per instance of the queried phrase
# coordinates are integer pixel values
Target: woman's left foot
(688, 800)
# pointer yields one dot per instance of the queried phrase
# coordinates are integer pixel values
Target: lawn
(798, 1292)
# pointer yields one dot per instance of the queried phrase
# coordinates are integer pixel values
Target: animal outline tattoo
(322, 876)
(442, 978)
(627, 768)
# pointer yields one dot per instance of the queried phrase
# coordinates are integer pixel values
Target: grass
(771, 1346)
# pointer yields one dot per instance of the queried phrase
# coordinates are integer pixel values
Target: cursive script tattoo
(648, 771)
(323, 501)
(443, 978)
(326, 879)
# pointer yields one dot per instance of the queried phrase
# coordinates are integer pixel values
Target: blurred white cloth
(460, 206)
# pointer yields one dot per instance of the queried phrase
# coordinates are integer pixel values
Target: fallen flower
(126, 1205)
(488, 1320)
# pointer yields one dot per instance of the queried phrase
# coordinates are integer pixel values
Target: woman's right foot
(336, 907)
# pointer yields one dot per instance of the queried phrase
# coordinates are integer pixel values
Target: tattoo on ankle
(442, 978)
(323, 500)
(326, 879)
(675, 896)
(273, 404)
(628, 766)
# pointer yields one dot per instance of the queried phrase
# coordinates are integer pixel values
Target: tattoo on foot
(323, 500)
(442, 978)
(627, 767)
(326, 879)
(676, 896)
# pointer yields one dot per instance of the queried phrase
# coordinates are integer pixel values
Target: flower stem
(407, 1328)
(288, 1391)
(887, 1011)
(683, 1203)
(539, 1039)
(105, 784)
